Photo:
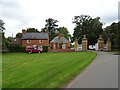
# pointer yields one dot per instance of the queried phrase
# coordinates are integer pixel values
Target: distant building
(60, 42)
(35, 39)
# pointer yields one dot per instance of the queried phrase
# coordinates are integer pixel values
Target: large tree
(91, 27)
(19, 35)
(32, 30)
(2, 28)
(52, 27)
(113, 32)
(64, 32)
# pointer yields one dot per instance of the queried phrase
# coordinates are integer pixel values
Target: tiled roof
(35, 36)
(61, 39)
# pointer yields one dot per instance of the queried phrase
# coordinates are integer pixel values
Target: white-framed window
(28, 41)
(40, 41)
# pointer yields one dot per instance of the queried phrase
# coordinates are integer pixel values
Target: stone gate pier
(100, 43)
(84, 43)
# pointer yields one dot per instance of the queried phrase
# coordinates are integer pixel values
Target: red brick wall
(57, 46)
(35, 42)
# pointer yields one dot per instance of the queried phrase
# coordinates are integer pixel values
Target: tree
(32, 30)
(113, 33)
(51, 26)
(19, 35)
(84, 24)
(2, 28)
(64, 32)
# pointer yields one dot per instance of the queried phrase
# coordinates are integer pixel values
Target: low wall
(61, 50)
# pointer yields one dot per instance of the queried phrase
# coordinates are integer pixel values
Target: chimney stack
(23, 31)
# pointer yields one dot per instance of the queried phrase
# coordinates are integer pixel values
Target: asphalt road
(101, 73)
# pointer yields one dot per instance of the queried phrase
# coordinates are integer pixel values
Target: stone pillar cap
(84, 36)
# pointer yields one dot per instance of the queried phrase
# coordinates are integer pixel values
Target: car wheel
(39, 52)
(30, 52)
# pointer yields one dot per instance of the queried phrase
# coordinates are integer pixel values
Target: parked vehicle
(92, 47)
(33, 50)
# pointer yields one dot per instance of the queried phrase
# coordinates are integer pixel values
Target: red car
(33, 50)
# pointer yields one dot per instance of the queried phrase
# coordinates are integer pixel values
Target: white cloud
(18, 14)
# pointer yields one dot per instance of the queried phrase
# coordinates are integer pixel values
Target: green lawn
(46, 70)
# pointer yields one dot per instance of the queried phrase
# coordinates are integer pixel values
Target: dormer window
(28, 41)
(40, 41)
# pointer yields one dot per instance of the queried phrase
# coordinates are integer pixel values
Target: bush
(22, 49)
(115, 48)
(45, 48)
(16, 48)
(60, 45)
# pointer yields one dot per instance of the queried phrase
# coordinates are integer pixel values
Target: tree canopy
(113, 33)
(2, 25)
(32, 30)
(52, 27)
(91, 27)
(64, 32)
(19, 35)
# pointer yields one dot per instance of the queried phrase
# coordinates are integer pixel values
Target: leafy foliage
(45, 48)
(32, 30)
(2, 26)
(64, 32)
(51, 26)
(113, 33)
(60, 45)
(16, 48)
(19, 35)
(84, 24)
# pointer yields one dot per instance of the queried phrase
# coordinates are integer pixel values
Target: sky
(23, 14)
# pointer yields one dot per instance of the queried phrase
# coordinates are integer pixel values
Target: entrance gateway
(99, 46)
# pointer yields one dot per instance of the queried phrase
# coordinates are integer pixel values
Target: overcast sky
(22, 14)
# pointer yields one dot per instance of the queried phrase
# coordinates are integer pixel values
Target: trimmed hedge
(115, 47)
(45, 48)
(16, 48)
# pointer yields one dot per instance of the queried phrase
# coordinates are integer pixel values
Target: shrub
(115, 47)
(45, 48)
(16, 48)
(60, 45)
(22, 49)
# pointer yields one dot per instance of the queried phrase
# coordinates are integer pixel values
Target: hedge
(16, 48)
(45, 48)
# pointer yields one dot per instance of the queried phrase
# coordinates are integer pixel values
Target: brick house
(60, 43)
(35, 39)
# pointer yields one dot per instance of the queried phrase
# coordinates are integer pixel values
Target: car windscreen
(30, 48)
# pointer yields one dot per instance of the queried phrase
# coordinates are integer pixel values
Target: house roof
(35, 36)
(59, 40)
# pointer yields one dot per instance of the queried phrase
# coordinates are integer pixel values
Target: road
(101, 73)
